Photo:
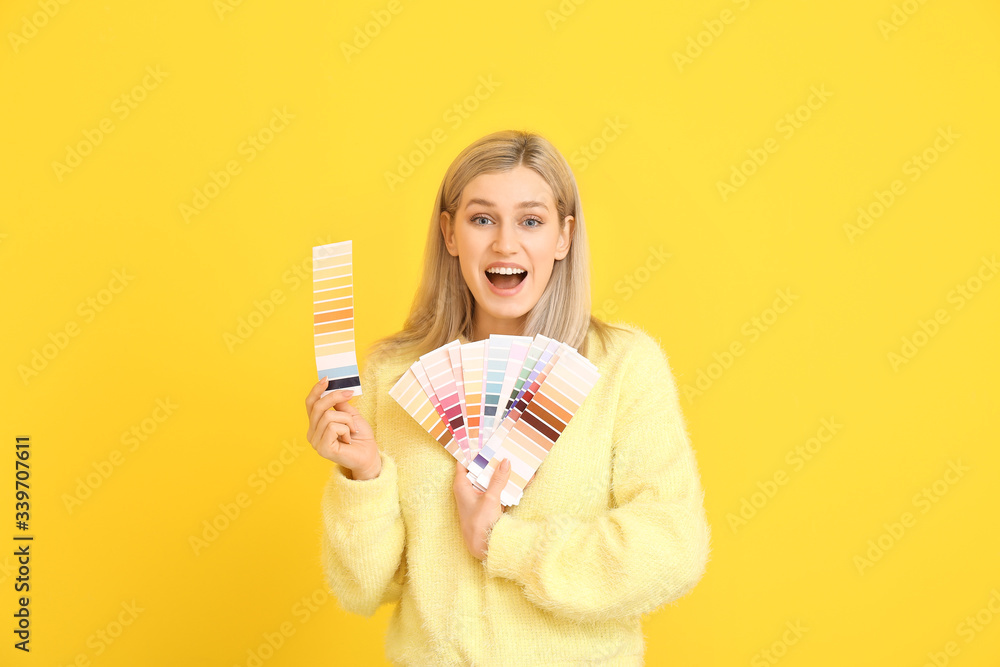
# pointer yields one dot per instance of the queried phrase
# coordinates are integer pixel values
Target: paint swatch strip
(506, 357)
(472, 376)
(333, 317)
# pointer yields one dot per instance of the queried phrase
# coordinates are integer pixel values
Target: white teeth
(505, 271)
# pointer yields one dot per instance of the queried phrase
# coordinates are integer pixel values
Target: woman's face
(509, 220)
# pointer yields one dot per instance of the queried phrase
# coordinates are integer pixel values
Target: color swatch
(333, 317)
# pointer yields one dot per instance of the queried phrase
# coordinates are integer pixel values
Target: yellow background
(568, 71)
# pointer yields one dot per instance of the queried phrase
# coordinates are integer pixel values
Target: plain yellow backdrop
(167, 168)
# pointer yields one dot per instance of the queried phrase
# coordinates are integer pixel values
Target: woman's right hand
(341, 434)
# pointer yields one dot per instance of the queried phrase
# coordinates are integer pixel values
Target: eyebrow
(524, 204)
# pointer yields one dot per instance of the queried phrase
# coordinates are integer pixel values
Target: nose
(505, 241)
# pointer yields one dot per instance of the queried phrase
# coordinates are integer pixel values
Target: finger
(330, 401)
(338, 417)
(462, 485)
(323, 419)
(331, 437)
(360, 427)
(498, 481)
(336, 396)
(332, 443)
(323, 405)
(331, 431)
(329, 447)
(351, 411)
(344, 406)
(342, 430)
(315, 393)
(315, 412)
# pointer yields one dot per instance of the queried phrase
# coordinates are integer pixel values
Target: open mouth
(504, 278)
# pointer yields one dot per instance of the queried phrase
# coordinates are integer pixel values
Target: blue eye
(534, 220)
(479, 217)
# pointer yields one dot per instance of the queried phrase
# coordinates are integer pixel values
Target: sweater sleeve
(363, 531)
(651, 546)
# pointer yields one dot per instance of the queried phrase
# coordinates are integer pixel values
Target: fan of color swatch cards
(503, 397)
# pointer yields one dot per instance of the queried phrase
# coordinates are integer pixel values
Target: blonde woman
(612, 525)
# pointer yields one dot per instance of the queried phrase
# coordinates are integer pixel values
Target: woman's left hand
(479, 510)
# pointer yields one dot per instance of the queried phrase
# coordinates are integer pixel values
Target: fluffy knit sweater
(611, 527)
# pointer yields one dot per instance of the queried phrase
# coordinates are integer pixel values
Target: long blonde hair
(443, 306)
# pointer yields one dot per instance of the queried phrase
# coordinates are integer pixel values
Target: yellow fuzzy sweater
(611, 527)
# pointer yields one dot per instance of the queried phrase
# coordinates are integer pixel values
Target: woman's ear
(448, 233)
(565, 235)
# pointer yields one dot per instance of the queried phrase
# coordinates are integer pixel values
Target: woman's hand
(479, 510)
(341, 434)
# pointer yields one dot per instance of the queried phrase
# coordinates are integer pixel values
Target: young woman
(612, 525)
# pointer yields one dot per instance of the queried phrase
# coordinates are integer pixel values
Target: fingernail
(349, 393)
(505, 465)
(323, 380)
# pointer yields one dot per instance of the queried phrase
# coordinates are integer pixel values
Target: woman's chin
(499, 308)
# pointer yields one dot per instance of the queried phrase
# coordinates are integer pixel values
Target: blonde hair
(443, 305)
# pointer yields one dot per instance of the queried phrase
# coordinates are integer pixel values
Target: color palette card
(333, 317)
(472, 362)
(528, 387)
(504, 357)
